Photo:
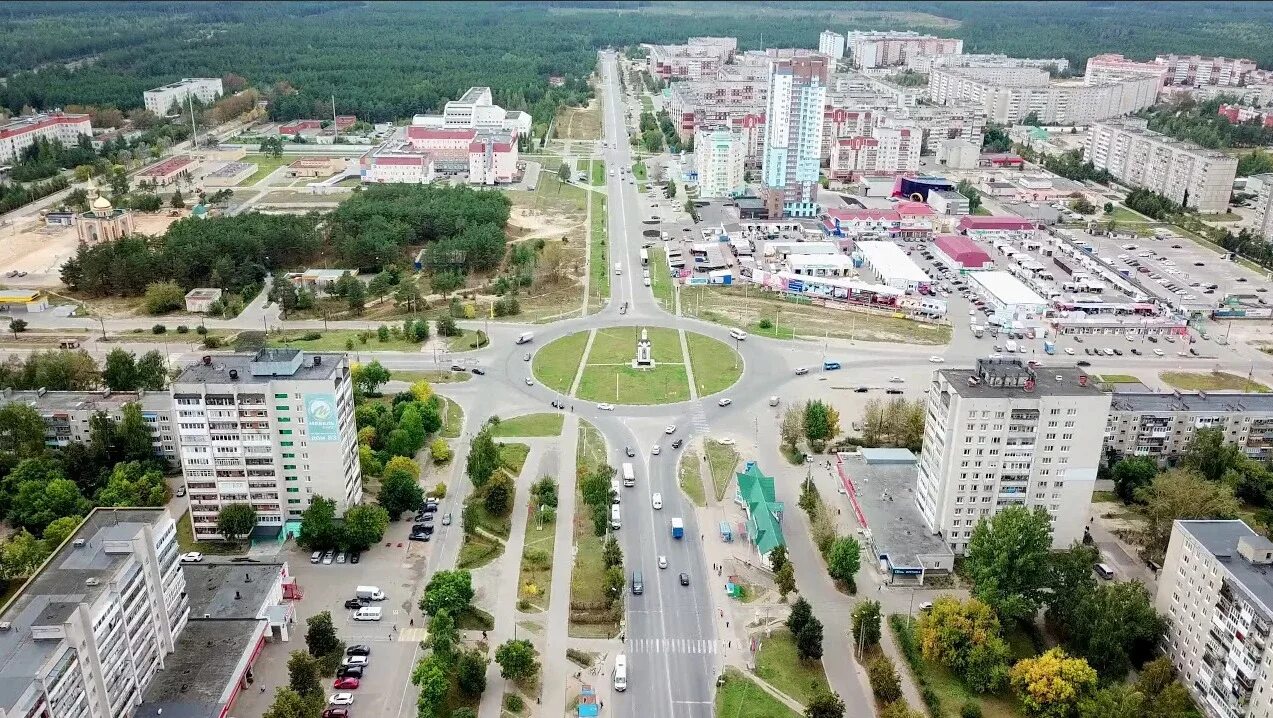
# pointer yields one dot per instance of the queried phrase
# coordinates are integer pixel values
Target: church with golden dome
(103, 222)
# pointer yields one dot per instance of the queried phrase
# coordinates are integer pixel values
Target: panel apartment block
(1008, 434)
(272, 429)
(66, 414)
(1161, 425)
(1184, 172)
(793, 142)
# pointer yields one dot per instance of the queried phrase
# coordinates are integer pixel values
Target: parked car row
(329, 557)
(348, 677)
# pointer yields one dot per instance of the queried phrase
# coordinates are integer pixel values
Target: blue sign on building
(321, 417)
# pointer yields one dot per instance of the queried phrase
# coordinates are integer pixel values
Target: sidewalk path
(556, 667)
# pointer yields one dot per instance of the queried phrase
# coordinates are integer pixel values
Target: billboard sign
(320, 416)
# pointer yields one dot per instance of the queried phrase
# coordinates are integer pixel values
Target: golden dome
(101, 203)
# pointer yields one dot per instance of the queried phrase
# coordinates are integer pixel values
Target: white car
(1069, 350)
(529, 382)
(936, 359)
(726, 441)
(662, 561)
(657, 500)
(341, 699)
(192, 557)
(1158, 352)
(669, 429)
(725, 402)
(605, 407)
(896, 380)
(1108, 352)
(656, 450)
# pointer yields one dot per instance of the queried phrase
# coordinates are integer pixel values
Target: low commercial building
(1007, 95)
(229, 174)
(199, 300)
(169, 99)
(306, 129)
(18, 134)
(1215, 592)
(881, 487)
(871, 49)
(949, 203)
(1161, 424)
(320, 281)
(476, 110)
(316, 167)
(1011, 299)
(397, 167)
(913, 220)
(755, 494)
(1186, 173)
(994, 227)
(66, 415)
(891, 266)
(958, 154)
(88, 633)
(820, 265)
(23, 300)
(165, 172)
(960, 253)
(719, 155)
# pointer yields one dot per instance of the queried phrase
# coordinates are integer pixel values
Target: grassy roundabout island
(605, 372)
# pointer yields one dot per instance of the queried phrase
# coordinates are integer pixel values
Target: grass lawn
(590, 448)
(1213, 381)
(745, 307)
(618, 345)
(477, 551)
(599, 264)
(1224, 217)
(715, 364)
(1122, 214)
(1105, 496)
(598, 173)
(647, 104)
(740, 697)
(530, 425)
(721, 461)
(536, 578)
(952, 694)
(468, 340)
(691, 478)
(556, 364)
(587, 574)
(778, 664)
(1117, 379)
(474, 619)
(621, 384)
(264, 166)
(660, 282)
(452, 419)
(638, 171)
(512, 457)
(580, 123)
(433, 377)
(338, 341)
(186, 542)
(981, 212)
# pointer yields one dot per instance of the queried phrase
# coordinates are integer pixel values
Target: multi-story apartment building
(1161, 425)
(1009, 94)
(492, 159)
(839, 123)
(718, 158)
(926, 63)
(1215, 591)
(272, 429)
(1185, 173)
(891, 149)
(700, 58)
(85, 636)
(1191, 70)
(1009, 434)
(736, 92)
(1261, 186)
(1112, 67)
(871, 49)
(831, 44)
(476, 110)
(940, 123)
(19, 134)
(167, 100)
(793, 141)
(66, 414)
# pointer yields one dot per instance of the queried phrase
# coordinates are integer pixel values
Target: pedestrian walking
(262, 689)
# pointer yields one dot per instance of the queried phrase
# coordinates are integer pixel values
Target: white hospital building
(161, 99)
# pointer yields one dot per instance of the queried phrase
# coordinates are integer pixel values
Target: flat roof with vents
(883, 486)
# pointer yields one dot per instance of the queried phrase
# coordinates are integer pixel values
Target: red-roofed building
(432, 139)
(397, 167)
(888, 151)
(906, 219)
(344, 122)
(304, 128)
(1000, 159)
(165, 172)
(979, 226)
(960, 253)
(493, 160)
(21, 133)
(1242, 113)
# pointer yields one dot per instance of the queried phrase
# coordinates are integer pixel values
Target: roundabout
(637, 365)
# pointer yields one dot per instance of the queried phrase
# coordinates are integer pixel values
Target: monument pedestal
(644, 353)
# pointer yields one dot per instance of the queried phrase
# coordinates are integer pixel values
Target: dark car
(685, 579)
(353, 603)
(893, 391)
(478, 370)
(336, 713)
(456, 367)
(350, 672)
(627, 450)
(1118, 352)
(358, 650)
(355, 556)
(677, 444)
(861, 390)
(430, 506)
(420, 536)
(1136, 351)
(1084, 362)
(1153, 339)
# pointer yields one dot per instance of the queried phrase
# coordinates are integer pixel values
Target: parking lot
(400, 569)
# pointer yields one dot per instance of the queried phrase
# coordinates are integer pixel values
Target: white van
(367, 613)
(1104, 571)
(618, 268)
(620, 672)
(738, 334)
(614, 517)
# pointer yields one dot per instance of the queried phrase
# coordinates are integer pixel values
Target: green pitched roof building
(764, 512)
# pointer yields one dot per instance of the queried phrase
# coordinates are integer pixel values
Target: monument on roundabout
(644, 352)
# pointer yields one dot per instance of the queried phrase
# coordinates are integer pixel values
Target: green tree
(22, 431)
(1115, 627)
(320, 635)
(866, 624)
(563, 172)
(1072, 582)
(400, 487)
(844, 560)
(809, 640)
(792, 426)
(178, 202)
(964, 636)
(446, 282)
(817, 421)
(799, 615)
(17, 326)
(778, 557)
(471, 673)
(483, 459)
(302, 675)
(517, 659)
(785, 578)
(1131, 474)
(612, 553)
(364, 526)
(498, 494)
(451, 591)
(430, 675)
(825, 705)
(1052, 685)
(965, 188)
(1007, 560)
(370, 377)
(39, 503)
(119, 371)
(885, 683)
(131, 484)
(443, 635)
(290, 704)
(1177, 495)
(1117, 700)
(1210, 454)
(22, 554)
(614, 583)
(164, 297)
(59, 531)
(670, 189)
(234, 521)
(319, 530)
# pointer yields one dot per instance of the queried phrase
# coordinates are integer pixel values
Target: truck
(629, 478)
(678, 528)
(1010, 346)
(1049, 347)
(371, 593)
(526, 337)
(645, 256)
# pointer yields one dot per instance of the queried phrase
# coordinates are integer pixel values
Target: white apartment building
(1008, 434)
(1215, 591)
(1262, 186)
(839, 123)
(870, 49)
(161, 99)
(492, 160)
(1161, 425)
(735, 93)
(718, 158)
(939, 123)
(1009, 94)
(700, 58)
(19, 134)
(1185, 173)
(793, 139)
(831, 44)
(86, 635)
(926, 63)
(476, 110)
(1191, 70)
(1112, 67)
(272, 429)
(889, 150)
(66, 414)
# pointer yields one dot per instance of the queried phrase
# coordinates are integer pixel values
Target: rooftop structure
(1009, 94)
(755, 493)
(961, 253)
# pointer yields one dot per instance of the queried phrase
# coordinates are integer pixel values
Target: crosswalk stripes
(672, 645)
(414, 635)
(698, 420)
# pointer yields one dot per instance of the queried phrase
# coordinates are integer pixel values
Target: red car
(345, 683)
(336, 713)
